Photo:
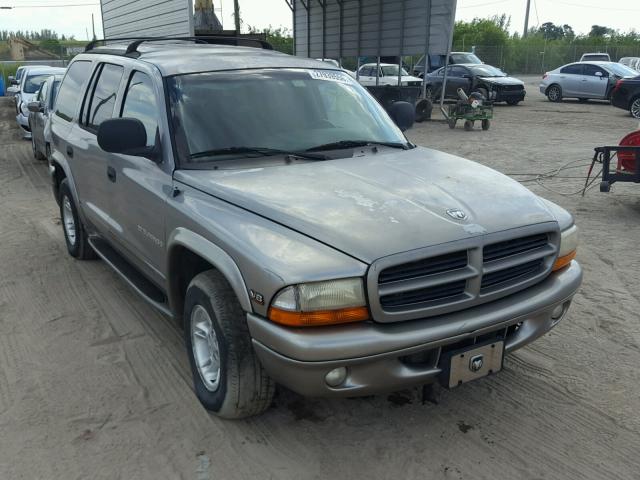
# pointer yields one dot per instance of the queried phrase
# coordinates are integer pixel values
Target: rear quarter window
(70, 91)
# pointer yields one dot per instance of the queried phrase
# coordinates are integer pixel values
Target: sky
(580, 14)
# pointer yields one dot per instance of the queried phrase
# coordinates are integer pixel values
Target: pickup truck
(275, 209)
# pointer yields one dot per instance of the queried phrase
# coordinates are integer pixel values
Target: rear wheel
(513, 102)
(468, 125)
(554, 93)
(486, 124)
(452, 123)
(228, 377)
(634, 108)
(74, 234)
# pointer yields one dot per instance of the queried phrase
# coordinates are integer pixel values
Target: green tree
(599, 31)
(281, 38)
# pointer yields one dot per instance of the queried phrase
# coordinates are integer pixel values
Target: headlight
(24, 109)
(320, 303)
(568, 247)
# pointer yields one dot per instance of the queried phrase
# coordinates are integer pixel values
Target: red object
(617, 85)
(627, 160)
(545, 75)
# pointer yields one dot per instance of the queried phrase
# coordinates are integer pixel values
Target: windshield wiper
(355, 144)
(260, 151)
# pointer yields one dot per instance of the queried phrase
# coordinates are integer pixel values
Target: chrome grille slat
(461, 274)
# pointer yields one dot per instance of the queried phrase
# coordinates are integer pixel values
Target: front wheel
(554, 93)
(486, 124)
(228, 377)
(468, 125)
(452, 123)
(634, 109)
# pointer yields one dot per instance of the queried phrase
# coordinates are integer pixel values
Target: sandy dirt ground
(94, 384)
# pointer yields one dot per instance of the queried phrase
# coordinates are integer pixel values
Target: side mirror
(35, 107)
(403, 114)
(598, 74)
(12, 80)
(126, 136)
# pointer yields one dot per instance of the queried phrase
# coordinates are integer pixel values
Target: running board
(141, 284)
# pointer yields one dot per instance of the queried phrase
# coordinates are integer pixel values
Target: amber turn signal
(562, 262)
(318, 318)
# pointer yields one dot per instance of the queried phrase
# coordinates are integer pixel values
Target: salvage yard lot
(95, 384)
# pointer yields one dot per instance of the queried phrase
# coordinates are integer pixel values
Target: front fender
(213, 254)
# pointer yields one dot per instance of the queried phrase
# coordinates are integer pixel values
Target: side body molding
(212, 254)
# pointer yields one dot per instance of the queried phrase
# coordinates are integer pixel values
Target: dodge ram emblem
(476, 363)
(456, 214)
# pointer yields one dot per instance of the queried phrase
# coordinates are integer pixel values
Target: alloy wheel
(635, 108)
(206, 350)
(68, 220)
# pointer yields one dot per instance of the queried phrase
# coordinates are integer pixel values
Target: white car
(388, 75)
(335, 63)
(29, 86)
(595, 57)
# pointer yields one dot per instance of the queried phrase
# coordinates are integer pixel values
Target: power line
(11, 7)
(581, 5)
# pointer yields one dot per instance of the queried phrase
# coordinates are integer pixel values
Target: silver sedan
(583, 80)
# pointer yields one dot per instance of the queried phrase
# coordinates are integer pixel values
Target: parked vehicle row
(592, 80)
(25, 89)
(39, 115)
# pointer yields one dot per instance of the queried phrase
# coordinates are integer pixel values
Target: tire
(424, 108)
(215, 323)
(428, 93)
(452, 123)
(484, 92)
(75, 235)
(554, 93)
(468, 125)
(513, 103)
(634, 108)
(36, 153)
(486, 124)
(47, 152)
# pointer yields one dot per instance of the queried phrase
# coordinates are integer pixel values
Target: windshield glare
(487, 71)
(282, 109)
(32, 84)
(392, 71)
(465, 58)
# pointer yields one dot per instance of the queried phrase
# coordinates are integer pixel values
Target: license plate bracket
(471, 363)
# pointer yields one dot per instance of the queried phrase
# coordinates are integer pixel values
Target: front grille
(511, 88)
(484, 269)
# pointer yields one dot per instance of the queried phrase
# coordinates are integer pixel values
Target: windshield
(487, 71)
(32, 83)
(464, 58)
(622, 70)
(272, 109)
(392, 71)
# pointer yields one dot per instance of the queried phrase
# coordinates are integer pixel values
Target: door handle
(69, 150)
(111, 173)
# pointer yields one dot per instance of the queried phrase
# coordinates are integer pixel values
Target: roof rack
(132, 47)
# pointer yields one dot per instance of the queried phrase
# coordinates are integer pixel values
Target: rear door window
(71, 89)
(140, 102)
(103, 95)
(575, 69)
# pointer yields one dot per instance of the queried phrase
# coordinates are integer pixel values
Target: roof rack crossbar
(213, 39)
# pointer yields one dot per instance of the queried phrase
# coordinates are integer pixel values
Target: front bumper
(23, 121)
(387, 357)
(503, 96)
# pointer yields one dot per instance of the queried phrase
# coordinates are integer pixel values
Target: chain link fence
(538, 59)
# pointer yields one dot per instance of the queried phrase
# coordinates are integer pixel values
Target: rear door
(595, 81)
(458, 77)
(571, 80)
(142, 186)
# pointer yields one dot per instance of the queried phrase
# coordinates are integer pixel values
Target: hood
(502, 80)
(381, 203)
(27, 97)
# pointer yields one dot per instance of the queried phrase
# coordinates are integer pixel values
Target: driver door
(595, 81)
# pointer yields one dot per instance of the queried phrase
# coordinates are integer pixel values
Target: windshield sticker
(330, 75)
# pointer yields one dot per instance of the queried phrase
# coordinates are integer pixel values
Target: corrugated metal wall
(372, 27)
(130, 18)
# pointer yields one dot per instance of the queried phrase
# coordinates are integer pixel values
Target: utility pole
(236, 15)
(93, 27)
(526, 19)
